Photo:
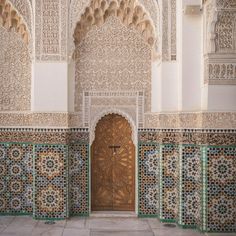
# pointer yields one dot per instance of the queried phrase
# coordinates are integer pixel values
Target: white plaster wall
(156, 86)
(204, 102)
(221, 98)
(49, 87)
(71, 86)
(169, 87)
(189, 57)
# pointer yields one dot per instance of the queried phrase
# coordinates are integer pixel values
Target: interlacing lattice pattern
(11, 20)
(195, 184)
(130, 13)
(148, 179)
(188, 178)
(169, 182)
(50, 181)
(15, 71)
(79, 179)
(124, 56)
(220, 191)
(16, 178)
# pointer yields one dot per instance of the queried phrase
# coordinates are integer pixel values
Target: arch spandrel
(109, 111)
(77, 8)
(129, 13)
(12, 20)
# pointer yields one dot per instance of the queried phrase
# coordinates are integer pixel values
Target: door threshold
(113, 214)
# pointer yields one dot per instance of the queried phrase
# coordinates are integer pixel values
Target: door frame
(135, 142)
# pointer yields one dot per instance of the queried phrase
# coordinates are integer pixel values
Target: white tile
(6, 220)
(155, 223)
(176, 232)
(42, 231)
(75, 222)
(24, 221)
(221, 234)
(18, 230)
(121, 233)
(117, 224)
(57, 223)
(76, 232)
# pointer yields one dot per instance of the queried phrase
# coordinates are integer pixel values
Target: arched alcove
(99, 116)
(15, 70)
(113, 165)
(15, 60)
(77, 8)
(112, 57)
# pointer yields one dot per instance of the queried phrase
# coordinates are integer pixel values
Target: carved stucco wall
(77, 7)
(168, 30)
(220, 41)
(15, 72)
(153, 9)
(112, 60)
(51, 30)
(25, 10)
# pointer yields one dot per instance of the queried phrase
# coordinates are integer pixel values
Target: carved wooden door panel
(113, 165)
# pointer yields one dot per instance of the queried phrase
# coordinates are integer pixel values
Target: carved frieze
(77, 8)
(168, 30)
(220, 42)
(122, 54)
(129, 13)
(51, 30)
(224, 30)
(10, 19)
(15, 72)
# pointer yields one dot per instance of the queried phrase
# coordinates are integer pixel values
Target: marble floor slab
(92, 226)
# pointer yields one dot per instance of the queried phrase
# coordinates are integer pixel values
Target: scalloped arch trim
(108, 112)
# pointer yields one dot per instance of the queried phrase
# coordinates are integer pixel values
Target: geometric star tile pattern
(79, 179)
(50, 181)
(16, 178)
(221, 188)
(193, 184)
(148, 165)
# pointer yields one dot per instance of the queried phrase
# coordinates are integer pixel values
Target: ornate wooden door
(113, 165)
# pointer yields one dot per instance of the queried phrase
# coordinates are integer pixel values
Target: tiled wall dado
(44, 172)
(188, 177)
(184, 176)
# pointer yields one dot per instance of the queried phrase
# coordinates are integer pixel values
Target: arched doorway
(113, 166)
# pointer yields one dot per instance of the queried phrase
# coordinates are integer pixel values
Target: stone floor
(93, 226)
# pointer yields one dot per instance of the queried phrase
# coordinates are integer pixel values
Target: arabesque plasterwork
(77, 8)
(220, 42)
(10, 19)
(169, 30)
(15, 72)
(51, 30)
(128, 56)
(194, 120)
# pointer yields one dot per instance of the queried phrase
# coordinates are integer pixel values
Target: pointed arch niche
(15, 60)
(114, 41)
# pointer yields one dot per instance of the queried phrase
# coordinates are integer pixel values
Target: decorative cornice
(191, 120)
(209, 137)
(181, 120)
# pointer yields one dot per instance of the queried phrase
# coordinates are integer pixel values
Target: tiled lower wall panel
(193, 185)
(16, 178)
(169, 176)
(220, 189)
(79, 179)
(189, 185)
(50, 181)
(148, 174)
